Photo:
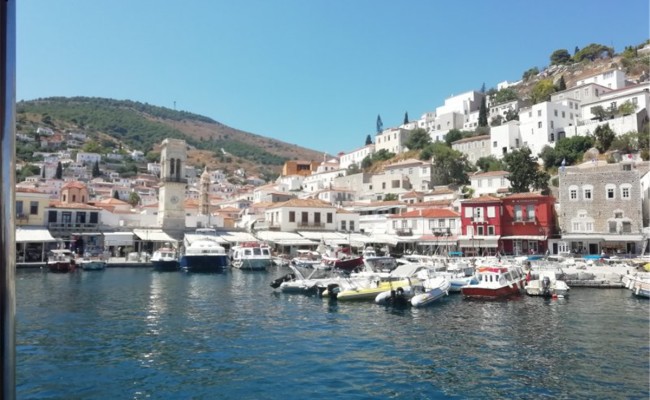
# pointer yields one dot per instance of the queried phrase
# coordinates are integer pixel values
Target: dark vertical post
(7, 200)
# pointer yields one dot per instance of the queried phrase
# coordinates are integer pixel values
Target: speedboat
(496, 282)
(306, 258)
(252, 256)
(165, 259)
(547, 285)
(91, 264)
(639, 284)
(61, 260)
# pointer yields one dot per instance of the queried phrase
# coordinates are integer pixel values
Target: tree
(560, 57)
(530, 73)
(452, 136)
(524, 171)
(511, 115)
(570, 150)
(368, 140)
(576, 50)
(380, 125)
(626, 143)
(96, 172)
(593, 52)
(504, 96)
(489, 163)
(561, 85)
(496, 121)
(59, 171)
(482, 114)
(483, 88)
(390, 197)
(92, 146)
(406, 117)
(134, 199)
(604, 137)
(542, 91)
(418, 139)
(627, 108)
(600, 113)
(449, 166)
(353, 169)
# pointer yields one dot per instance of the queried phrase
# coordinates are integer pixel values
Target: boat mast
(7, 200)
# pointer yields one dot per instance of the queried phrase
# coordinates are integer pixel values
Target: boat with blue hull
(204, 255)
(165, 259)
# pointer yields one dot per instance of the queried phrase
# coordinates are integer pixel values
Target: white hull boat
(434, 289)
(547, 286)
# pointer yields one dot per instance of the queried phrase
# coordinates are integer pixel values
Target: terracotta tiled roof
(307, 203)
(482, 199)
(428, 213)
(524, 195)
(111, 201)
(27, 190)
(74, 185)
(58, 204)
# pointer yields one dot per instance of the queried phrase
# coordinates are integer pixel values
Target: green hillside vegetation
(136, 125)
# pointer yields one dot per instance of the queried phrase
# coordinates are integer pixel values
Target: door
(593, 248)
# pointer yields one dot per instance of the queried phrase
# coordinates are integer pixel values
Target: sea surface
(132, 333)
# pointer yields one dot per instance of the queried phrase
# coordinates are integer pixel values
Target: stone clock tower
(171, 195)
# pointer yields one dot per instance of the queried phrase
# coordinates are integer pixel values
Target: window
(305, 217)
(51, 216)
(33, 207)
(539, 124)
(329, 218)
(478, 214)
(517, 143)
(612, 226)
(491, 230)
(626, 227)
(618, 214)
(383, 185)
(494, 144)
(19, 208)
(292, 216)
(563, 114)
(552, 135)
(343, 227)
(395, 224)
(468, 212)
(555, 112)
(589, 226)
(539, 113)
(625, 191)
(613, 105)
(530, 212)
(490, 212)
(573, 193)
(94, 217)
(317, 218)
(452, 223)
(352, 225)
(610, 191)
(518, 213)
(479, 231)
(552, 125)
(577, 227)
(587, 192)
(441, 223)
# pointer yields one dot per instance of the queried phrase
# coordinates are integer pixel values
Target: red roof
(482, 199)
(74, 185)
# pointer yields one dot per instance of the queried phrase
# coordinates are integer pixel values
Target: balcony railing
(404, 232)
(72, 227)
(20, 217)
(310, 225)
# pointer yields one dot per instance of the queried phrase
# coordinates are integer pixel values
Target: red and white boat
(61, 260)
(495, 282)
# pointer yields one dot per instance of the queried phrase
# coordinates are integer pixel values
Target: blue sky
(314, 73)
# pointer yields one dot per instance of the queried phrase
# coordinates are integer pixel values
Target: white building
(392, 140)
(401, 177)
(301, 214)
(153, 168)
(540, 124)
(88, 158)
(322, 180)
(504, 138)
(491, 182)
(613, 79)
(356, 156)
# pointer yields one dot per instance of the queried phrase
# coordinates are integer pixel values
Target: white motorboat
(203, 253)
(165, 259)
(547, 285)
(639, 284)
(252, 256)
(306, 258)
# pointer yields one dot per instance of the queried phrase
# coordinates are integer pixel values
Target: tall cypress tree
(482, 114)
(380, 125)
(368, 140)
(561, 85)
(96, 171)
(406, 117)
(59, 171)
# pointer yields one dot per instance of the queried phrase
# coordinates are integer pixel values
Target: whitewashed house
(88, 158)
(491, 182)
(392, 140)
(541, 124)
(356, 156)
(301, 214)
(504, 138)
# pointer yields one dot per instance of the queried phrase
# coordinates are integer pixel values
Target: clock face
(174, 199)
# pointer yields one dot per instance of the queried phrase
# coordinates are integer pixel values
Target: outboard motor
(397, 297)
(333, 289)
(288, 277)
(546, 287)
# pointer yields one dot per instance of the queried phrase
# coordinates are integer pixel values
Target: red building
(528, 220)
(480, 219)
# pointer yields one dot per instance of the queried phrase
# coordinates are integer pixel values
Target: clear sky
(315, 73)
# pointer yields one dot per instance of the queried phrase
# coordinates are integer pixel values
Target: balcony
(310, 225)
(63, 227)
(20, 217)
(404, 232)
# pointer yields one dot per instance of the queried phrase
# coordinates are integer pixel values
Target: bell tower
(171, 195)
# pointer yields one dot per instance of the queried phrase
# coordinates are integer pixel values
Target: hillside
(132, 125)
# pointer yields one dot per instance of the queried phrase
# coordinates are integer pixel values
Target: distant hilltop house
(295, 167)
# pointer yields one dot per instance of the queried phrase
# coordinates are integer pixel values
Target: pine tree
(406, 118)
(368, 140)
(59, 171)
(483, 88)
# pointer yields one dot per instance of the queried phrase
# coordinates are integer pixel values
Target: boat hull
(93, 265)
(165, 265)
(204, 263)
(253, 264)
(482, 292)
(61, 266)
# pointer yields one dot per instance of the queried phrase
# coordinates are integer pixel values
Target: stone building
(600, 208)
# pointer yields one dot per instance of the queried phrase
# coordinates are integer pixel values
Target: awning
(581, 236)
(284, 238)
(239, 237)
(623, 238)
(524, 237)
(118, 239)
(478, 241)
(322, 235)
(33, 235)
(433, 239)
(153, 235)
(191, 237)
(383, 238)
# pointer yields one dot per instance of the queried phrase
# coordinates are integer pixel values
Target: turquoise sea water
(138, 334)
